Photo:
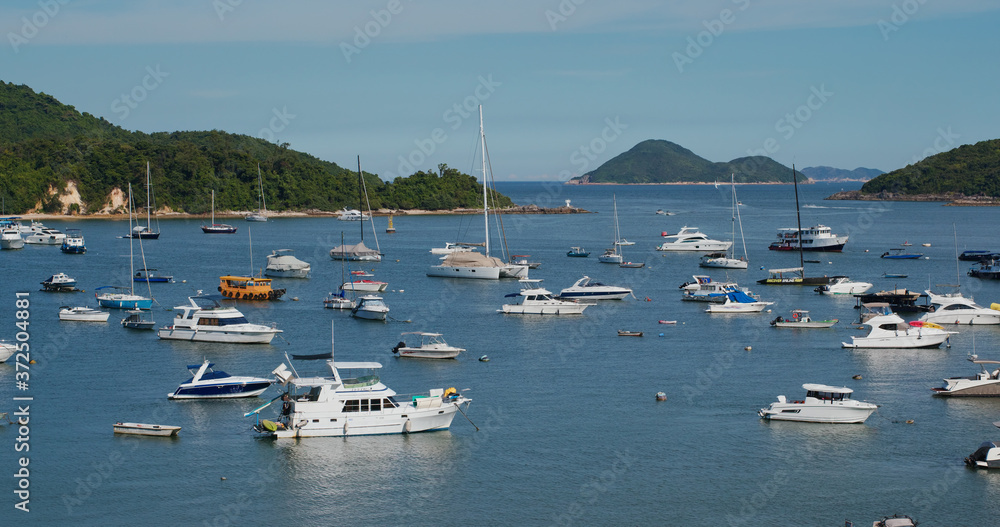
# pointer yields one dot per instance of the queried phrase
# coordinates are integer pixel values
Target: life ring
(220, 288)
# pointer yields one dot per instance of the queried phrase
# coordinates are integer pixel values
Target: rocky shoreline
(951, 199)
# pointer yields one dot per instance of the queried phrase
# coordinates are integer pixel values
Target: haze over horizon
(565, 85)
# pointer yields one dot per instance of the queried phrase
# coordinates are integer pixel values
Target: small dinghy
(143, 429)
(626, 333)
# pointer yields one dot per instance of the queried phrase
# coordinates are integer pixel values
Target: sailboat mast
(798, 220)
(148, 224)
(486, 215)
(131, 266)
(260, 182)
(740, 219)
(213, 206)
(361, 204)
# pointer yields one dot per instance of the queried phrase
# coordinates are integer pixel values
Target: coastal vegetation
(659, 161)
(45, 146)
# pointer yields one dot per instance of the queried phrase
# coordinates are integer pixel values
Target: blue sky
(565, 84)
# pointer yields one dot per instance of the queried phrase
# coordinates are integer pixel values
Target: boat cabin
(248, 288)
(823, 392)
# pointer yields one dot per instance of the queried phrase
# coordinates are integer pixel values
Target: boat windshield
(828, 396)
(359, 378)
(222, 321)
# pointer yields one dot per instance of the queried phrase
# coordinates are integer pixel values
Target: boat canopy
(740, 296)
(471, 259)
(353, 251)
(826, 389)
(788, 270)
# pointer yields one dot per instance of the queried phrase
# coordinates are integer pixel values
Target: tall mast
(148, 224)
(260, 181)
(486, 215)
(798, 219)
(361, 204)
(131, 266)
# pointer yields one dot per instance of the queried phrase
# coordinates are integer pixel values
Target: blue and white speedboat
(584, 288)
(207, 383)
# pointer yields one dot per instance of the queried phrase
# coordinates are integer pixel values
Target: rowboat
(143, 429)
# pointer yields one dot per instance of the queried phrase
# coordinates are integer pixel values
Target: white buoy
(748, 348)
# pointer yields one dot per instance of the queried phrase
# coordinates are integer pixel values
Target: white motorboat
(957, 309)
(73, 243)
(59, 282)
(983, 384)
(206, 383)
(842, 285)
(362, 284)
(450, 247)
(370, 307)
(432, 346)
(144, 429)
(338, 301)
(584, 288)
(692, 240)
(10, 233)
(611, 256)
(7, 350)
(890, 331)
(822, 404)
(137, 320)
(351, 400)
(738, 302)
(205, 320)
(704, 289)
(986, 456)
(729, 261)
(83, 314)
(534, 300)
(46, 236)
(352, 215)
(800, 319)
(282, 263)
(816, 238)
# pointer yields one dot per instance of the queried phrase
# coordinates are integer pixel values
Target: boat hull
(944, 317)
(724, 263)
(594, 295)
(221, 390)
(518, 309)
(819, 413)
(833, 248)
(424, 353)
(125, 303)
(218, 229)
(369, 315)
(812, 324)
(903, 342)
(703, 247)
(100, 316)
(969, 389)
(746, 307)
(143, 429)
(234, 336)
(402, 420)
(475, 273)
(366, 286)
(287, 273)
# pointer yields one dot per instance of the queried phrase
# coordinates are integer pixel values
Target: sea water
(569, 431)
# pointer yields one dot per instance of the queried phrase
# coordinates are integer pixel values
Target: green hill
(659, 161)
(45, 145)
(969, 170)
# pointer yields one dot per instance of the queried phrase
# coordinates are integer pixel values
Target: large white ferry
(817, 238)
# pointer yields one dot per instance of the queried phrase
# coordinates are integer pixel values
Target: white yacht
(352, 215)
(957, 309)
(584, 288)
(983, 384)
(7, 350)
(46, 236)
(842, 285)
(10, 233)
(450, 247)
(432, 346)
(205, 320)
(691, 239)
(370, 307)
(83, 314)
(704, 289)
(888, 330)
(822, 404)
(534, 300)
(816, 238)
(986, 456)
(351, 400)
(611, 256)
(738, 302)
(362, 284)
(282, 263)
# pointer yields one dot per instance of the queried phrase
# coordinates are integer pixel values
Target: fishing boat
(842, 285)
(815, 238)
(889, 330)
(956, 309)
(59, 282)
(73, 243)
(983, 384)
(205, 320)
(729, 261)
(136, 320)
(431, 346)
(359, 252)
(690, 239)
(584, 288)
(144, 429)
(370, 307)
(738, 302)
(800, 319)
(898, 253)
(351, 400)
(150, 275)
(146, 231)
(282, 263)
(217, 228)
(822, 404)
(261, 213)
(535, 300)
(207, 383)
(83, 314)
(577, 252)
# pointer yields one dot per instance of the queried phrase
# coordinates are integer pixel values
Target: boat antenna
(958, 271)
(798, 220)
(250, 238)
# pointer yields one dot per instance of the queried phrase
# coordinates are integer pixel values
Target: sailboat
(145, 231)
(472, 264)
(795, 275)
(122, 297)
(217, 228)
(613, 254)
(721, 260)
(261, 214)
(339, 300)
(359, 252)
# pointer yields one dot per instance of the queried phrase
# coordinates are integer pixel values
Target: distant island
(830, 174)
(56, 160)
(656, 161)
(967, 175)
